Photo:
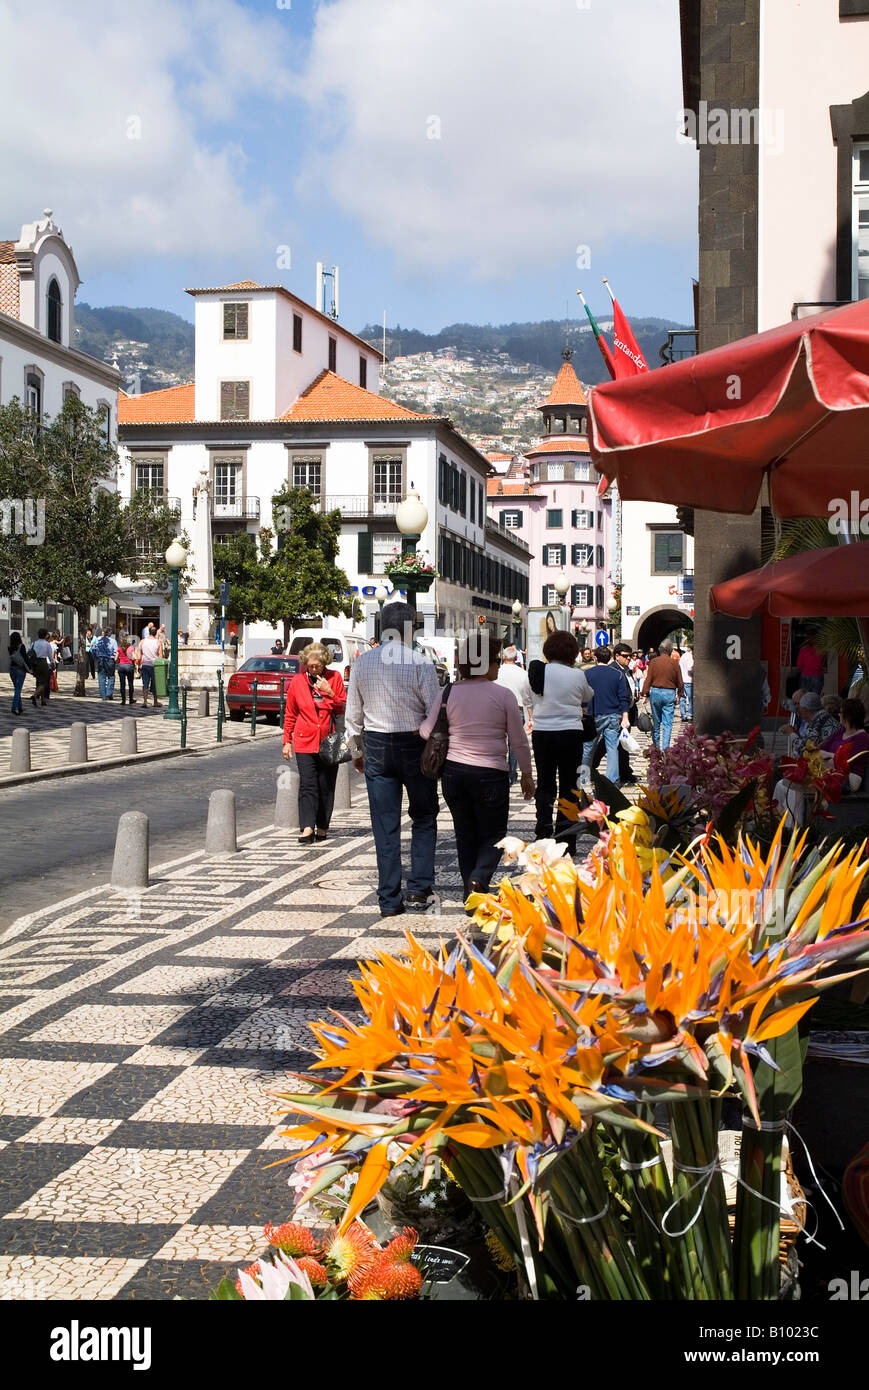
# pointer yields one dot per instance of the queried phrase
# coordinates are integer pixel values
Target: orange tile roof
(7, 252)
(243, 285)
(172, 406)
(567, 388)
(330, 397)
(567, 444)
(499, 456)
(496, 487)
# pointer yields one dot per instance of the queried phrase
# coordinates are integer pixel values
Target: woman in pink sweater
(483, 718)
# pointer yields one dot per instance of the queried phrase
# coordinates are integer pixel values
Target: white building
(657, 573)
(283, 393)
(40, 366)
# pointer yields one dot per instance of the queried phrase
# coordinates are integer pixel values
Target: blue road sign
(224, 593)
(601, 639)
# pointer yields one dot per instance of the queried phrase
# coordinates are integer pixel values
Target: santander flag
(627, 355)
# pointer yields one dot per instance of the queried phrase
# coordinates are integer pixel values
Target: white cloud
(76, 78)
(557, 129)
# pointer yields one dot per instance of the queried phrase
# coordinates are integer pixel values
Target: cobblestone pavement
(143, 1038)
(49, 726)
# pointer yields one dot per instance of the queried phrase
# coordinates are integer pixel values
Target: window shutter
(600, 596)
(601, 559)
(473, 502)
(545, 598)
(562, 550)
(365, 555)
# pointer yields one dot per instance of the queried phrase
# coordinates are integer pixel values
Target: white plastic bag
(628, 742)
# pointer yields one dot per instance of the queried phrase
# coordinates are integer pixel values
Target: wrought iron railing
(232, 508)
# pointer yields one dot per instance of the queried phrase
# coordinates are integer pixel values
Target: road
(58, 836)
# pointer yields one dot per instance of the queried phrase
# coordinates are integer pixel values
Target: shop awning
(826, 583)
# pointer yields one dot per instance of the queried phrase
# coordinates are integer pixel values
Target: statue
(200, 600)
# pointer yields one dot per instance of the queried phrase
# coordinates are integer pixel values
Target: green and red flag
(599, 338)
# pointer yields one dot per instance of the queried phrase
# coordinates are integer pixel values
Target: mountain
(152, 345)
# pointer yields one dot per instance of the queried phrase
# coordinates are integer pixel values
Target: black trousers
(479, 802)
(316, 790)
(126, 674)
(557, 755)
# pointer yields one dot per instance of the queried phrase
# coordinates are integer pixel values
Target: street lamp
(411, 518)
(176, 559)
(517, 621)
(561, 586)
(381, 593)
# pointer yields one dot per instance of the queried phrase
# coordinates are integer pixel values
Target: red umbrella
(822, 583)
(705, 431)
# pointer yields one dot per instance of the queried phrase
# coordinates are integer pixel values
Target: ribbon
(581, 1220)
(707, 1173)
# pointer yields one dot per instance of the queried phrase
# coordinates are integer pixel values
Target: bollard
(20, 757)
(220, 830)
(184, 716)
(220, 715)
(78, 743)
(202, 707)
(287, 799)
(253, 705)
(129, 736)
(130, 864)
(343, 799)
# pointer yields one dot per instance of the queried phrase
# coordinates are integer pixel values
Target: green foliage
(242, 562)
(829, 634)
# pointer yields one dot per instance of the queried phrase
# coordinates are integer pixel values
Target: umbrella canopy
(825, 583)
(705, 431)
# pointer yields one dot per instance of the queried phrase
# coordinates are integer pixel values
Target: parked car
(272, 675)
(343, 648)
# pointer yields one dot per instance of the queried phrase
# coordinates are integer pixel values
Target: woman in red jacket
(315, 697)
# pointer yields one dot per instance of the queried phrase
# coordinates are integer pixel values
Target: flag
(627, 354)
(599, 338)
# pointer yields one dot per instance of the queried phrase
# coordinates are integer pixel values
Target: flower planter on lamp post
(176, 559)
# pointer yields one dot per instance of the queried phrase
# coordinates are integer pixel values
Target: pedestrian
(587, 661)
(662, 684)
(105, 650)
(126, 668)
(515, 679)
(484, 719)
(315, 698)
(559, 690)
(852, 736)
(820, 724)
(686, 668)
(19, 669)
(610, 710)
(41, 657)
(66, 650)
(150, 652)
(810, 664)
(278, 648)
(88, 644)
(392, 688)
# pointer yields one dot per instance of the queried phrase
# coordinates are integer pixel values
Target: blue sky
(457, 160)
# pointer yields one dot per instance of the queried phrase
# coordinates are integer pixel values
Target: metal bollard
(130, 864)
(220, 715)
(220, 829)
(129, 736)
(78, 743)
(202, 710)
(184, 716)
(253, 705)
(20, 754)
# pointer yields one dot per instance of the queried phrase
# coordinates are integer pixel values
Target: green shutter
(365, 556)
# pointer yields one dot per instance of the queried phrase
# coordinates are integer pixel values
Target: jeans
(148, 681)
(392, 764)
(106, 679)
(686, 703)
(609, 727)
(125, 677)
(479, 802)
(316, 790)
(19, 676)
(663, 703)
(557, 755)
(512, 767)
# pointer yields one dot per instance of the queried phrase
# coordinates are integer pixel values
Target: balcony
(358, 504)
(681, 343)
(157, 498)
(235, 508)
(804, 309)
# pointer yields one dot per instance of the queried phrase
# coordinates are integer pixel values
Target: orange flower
(317, 1273)
(350, 1256)
(293, 1238)
(400, 1248)
(389, 1281)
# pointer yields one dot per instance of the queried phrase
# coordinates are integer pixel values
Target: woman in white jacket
(560, 691)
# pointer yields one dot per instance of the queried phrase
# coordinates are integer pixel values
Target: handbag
(645, 723)
(335, 747)
(437, 745)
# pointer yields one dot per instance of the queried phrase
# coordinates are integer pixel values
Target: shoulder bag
(335, 747)
(434, 755)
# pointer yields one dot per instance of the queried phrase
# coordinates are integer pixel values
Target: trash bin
(161, 666)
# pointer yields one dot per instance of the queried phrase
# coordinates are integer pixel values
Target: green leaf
(605, 791)
(226, 1292)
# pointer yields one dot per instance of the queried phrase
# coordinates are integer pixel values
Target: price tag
(438, 1263)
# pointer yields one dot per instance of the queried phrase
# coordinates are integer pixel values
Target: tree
(242, 562)
(90, 535)
(301, 579)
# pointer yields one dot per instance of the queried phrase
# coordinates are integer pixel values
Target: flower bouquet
(346, 1265)
(414, 562)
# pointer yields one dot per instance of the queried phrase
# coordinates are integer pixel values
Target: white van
(344, 649)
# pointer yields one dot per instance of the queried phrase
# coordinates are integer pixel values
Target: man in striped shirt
(391, 690)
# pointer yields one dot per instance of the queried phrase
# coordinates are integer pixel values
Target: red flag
(627, 354)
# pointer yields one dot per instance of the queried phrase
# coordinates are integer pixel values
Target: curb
(46, 774)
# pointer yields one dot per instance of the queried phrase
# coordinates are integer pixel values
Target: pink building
(551, 498)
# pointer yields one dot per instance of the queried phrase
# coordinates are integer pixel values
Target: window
(365, 553)
(481, 506)
(235, 321)
(386, 480)
(601, 558)
(363, 371)
(550, 597)
(667, 552)
(582, 521)
(227, 487)
(33, 393)
(333, 354)
(554, 554)
(382, 551)
(555, 473)
(581, 555)
(106, 413)
(308, 472)
(224, 537)
(235, 400)
(600, 521)
(53, 311)
(297, 332)
(581, 596)
(554, 519)
(443, 480)
(71, 390)
(150, 477)
(860, 272)
(463, 494)
(146, 552)
(582, 471)
(852, 9)
(512, 520)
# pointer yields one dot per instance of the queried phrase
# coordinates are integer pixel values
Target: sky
(460, 160)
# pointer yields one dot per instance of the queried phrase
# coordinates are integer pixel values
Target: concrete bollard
(220, 830)
(287, 799)
(20, 755)
(343, 800)
(130, 864)
(129, 736)
(78, 743)
(203, 705)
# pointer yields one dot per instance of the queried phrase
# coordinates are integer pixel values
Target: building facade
(283, 394)
(40, 366)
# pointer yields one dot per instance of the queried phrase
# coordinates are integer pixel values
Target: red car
(272, 675)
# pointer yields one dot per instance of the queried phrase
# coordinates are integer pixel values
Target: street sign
(224, 593)
(601, 639)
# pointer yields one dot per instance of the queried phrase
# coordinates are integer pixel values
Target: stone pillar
(287, 799)
(78, 743)
(220, 830)
(343, 798)
(129, 736)
(130, 865)
(20, 751)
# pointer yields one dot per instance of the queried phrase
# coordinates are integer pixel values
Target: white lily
(275, 1280)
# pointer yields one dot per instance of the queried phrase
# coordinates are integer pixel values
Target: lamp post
(411, 518)
(176, 559)
(381, 593)
(561, 586)
(517, 622)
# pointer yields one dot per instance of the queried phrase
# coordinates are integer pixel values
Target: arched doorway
(656, 623)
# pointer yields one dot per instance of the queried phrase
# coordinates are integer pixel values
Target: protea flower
(387, 1282)
(350, 1256)
(270, 1282)
(292, 1237)
(400, 1248)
